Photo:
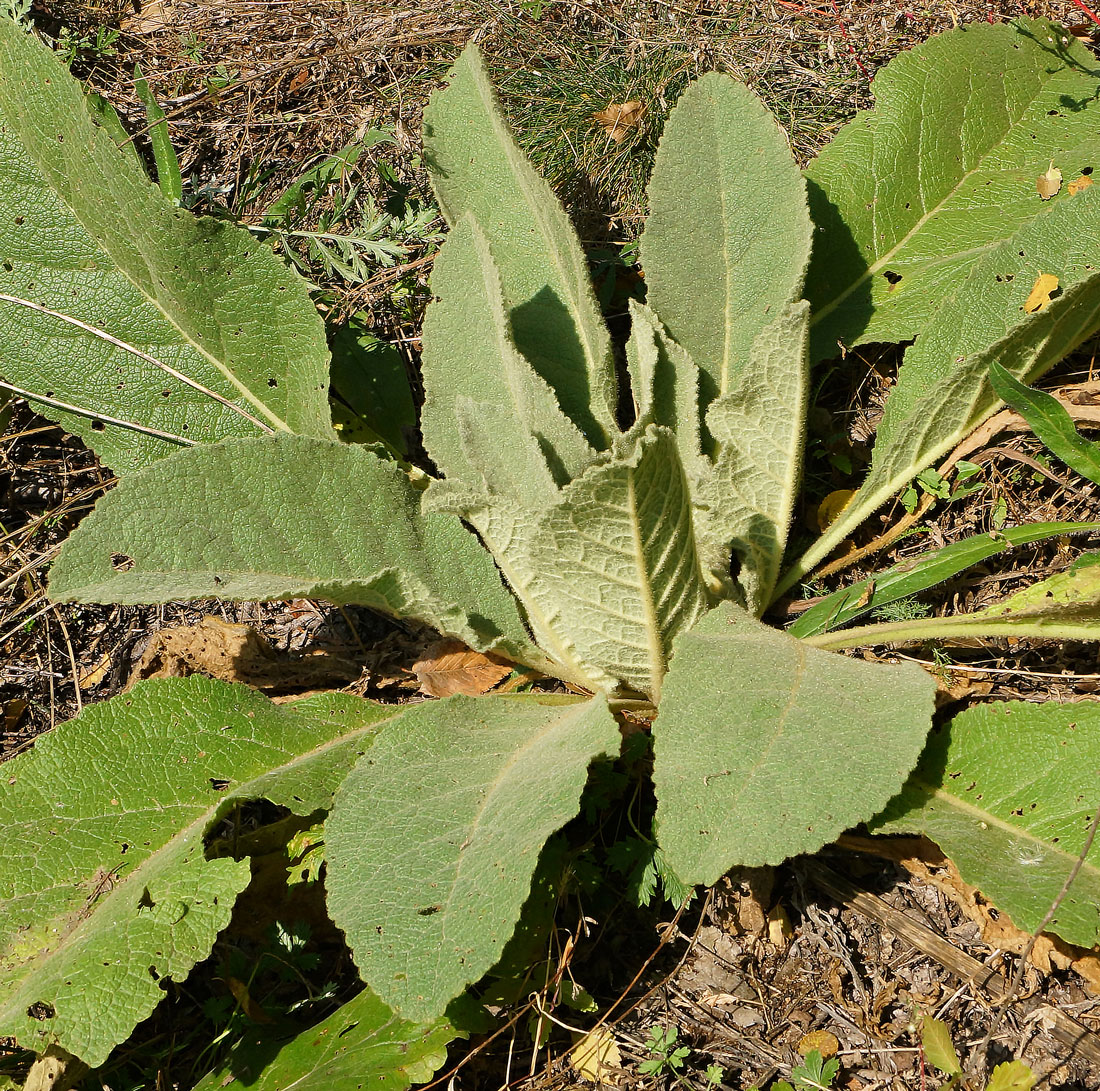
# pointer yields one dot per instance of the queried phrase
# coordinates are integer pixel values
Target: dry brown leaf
(153, 16)
(1078, 184)
(13, 713)
(236, 653)
(1049, 182)
(94, 675)
(1046, 284)
(595, 1054)
(244, 998)
(824, 1041)
(449, 667)
(619, 118)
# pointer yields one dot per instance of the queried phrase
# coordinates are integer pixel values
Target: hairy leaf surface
(913, 196)
(470, 357)
(477, 167)
(433, 841)
(362, 1042)
(613, 568)
(728, 236)
(311, 519)
(1008, 791)
(119, 304)
(105, 890)
(755, 739)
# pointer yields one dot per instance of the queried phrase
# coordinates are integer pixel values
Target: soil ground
(258, 91)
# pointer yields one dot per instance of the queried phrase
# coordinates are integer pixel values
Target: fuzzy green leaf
(918, 574)
(433, 841)
(1050, 422)
(914, 196)
(749, 497)
(613, 571)
(105, 890)
(362, 1042)
(198, 296)
(728, 236)
(470, 357)
(477, 168)
(1008, 791)
(760, 767)
(309, 520)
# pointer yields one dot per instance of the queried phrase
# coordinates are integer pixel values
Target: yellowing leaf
(1049, 182)
(832, 506)
(449, 667)
(594, 1054)
(1045, 286)
(619, 118)
(1079, 184)
(824, 1041)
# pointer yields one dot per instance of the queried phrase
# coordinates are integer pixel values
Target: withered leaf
(1049, 182)
(449, 667)
(619, 118)
(1045, 286)
(1078, 184)
(594, 1054)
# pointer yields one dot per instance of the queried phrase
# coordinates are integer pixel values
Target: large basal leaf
(184, 329)
(469, 357)
(288, 517)
(477, 168)
(105, 890)
(613, 568)
(432, 842)
(728, 236)
(914, 195)
(755, 739)
(947, 411)
(748, 500)
(919, 573)
(1008, 791)
(361, 1043)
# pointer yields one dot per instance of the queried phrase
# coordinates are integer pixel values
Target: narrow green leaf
(954, 405)
(469, 354)
(433, 841)
(935, 1036)
(183, 330)
(164, 155)
(372, 399)
(477, 168)
(914, 196)
(1049, 421)
(1008, 791)
(728, 236)
(918, 574)
(760, 768)
(361, 1043)
(308, 520)
(748, 500)
(613, 571)
(105, 890)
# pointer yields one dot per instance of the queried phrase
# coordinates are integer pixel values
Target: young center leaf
(158, 328)
(362, 1042)
(478, 169)
(105, 888)
(433, 841)
(1008, 790)
(310, 519)
(760, 767)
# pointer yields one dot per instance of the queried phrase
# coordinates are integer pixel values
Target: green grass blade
(914, 576)
(1049, 421)
(164, 155)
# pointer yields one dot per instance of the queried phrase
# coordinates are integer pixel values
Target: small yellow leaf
(822, 1040)
(779, 926)
(94, 675)
(1079, 184)
(594, 1054)
(832, 506)
(1049, 182)
(1045, 285)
